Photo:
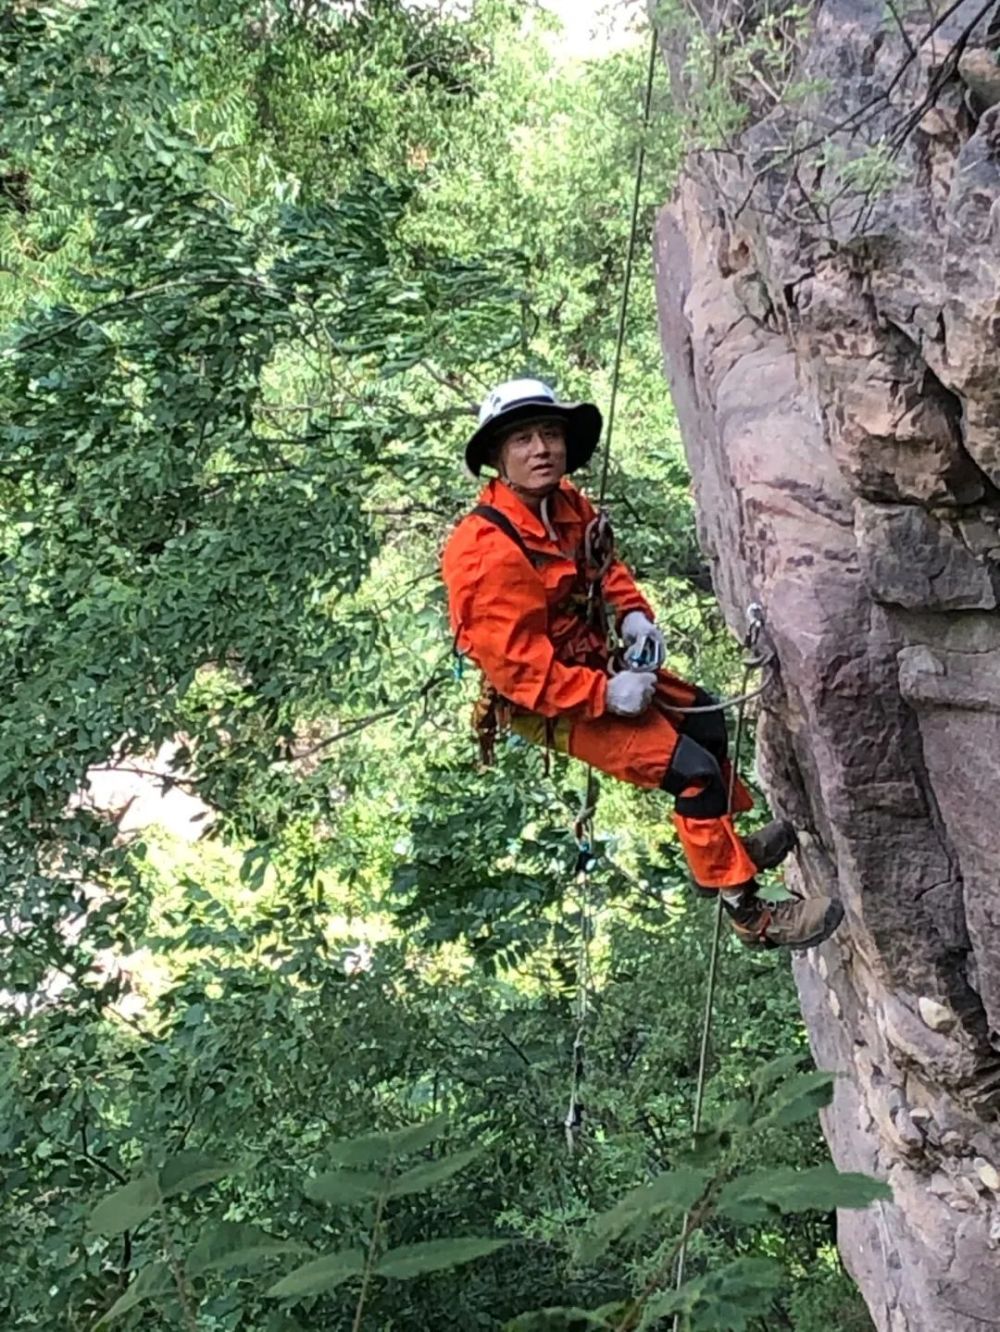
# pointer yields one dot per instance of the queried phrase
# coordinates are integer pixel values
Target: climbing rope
(626, 286)
(600, 551)
(583, 831)
(599, 554)
(738, 700)
(752, 661)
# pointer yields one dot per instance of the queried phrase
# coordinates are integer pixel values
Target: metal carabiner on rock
(755, 624)
(757, 646)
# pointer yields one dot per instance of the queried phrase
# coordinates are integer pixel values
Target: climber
(522, 604)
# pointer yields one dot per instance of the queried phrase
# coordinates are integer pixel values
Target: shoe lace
(769, 910)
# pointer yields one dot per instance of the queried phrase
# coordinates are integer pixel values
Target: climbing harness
(490, 718)
(491, 712)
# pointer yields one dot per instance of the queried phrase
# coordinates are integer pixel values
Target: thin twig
(454, 383)
(899, 24)
(86, 1155)
(166, 780)
(177, 1271)
(370, 1256)
(362, 723)
(157, 289)
(853, 121)
(692, 1222)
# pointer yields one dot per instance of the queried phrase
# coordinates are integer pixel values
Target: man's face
(533, 454)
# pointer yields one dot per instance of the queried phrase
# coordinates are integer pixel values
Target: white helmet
(527, 399)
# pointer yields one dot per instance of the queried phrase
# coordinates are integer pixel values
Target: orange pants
(685, 755)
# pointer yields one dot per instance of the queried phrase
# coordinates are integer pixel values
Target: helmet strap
(532, 497)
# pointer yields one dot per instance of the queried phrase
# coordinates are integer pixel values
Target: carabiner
(645, 655)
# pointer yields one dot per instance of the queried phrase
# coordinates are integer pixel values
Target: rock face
(834, 357)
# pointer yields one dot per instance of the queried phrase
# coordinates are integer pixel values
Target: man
(522, 606)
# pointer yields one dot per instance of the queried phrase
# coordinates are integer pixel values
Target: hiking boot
(768, 846)
(800, 922)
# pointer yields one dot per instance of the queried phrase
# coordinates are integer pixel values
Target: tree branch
(156, 289)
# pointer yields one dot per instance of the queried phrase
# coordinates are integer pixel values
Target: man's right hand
(630, 692)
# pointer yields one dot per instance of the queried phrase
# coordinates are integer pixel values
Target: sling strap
(598, 554)
(501, 521)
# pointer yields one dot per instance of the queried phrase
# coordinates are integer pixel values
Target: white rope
(583, 830)
(739, 700)
(572, 1122)
(755, 616)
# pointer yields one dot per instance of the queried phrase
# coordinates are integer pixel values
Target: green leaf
(433, 1172)
(254, 865)
(775, 1071)
(674, 1191)
(188, 1171)
(233, 1244)
(569, 1320)
(411, 1260)
(773, 893)
(764, 1194)
(384, 1146)
(126, 1208)
(713, 1141)
(728, 1299)
(319, 1275)
(345, 1186)
(708, 1145)
(799, 1098)
(154, 1280)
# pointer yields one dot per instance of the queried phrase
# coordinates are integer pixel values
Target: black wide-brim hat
(526, 400)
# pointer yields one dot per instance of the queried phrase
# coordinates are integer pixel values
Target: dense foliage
(259, 262)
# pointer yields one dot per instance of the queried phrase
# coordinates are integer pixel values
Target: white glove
(637, 626)
(630, 692)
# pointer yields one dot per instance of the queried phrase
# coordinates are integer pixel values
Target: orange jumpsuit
(520, 622)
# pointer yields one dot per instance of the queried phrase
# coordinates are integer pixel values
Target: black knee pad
(707, 729)
(692, 765)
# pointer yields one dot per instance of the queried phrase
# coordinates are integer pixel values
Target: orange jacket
(513, 619)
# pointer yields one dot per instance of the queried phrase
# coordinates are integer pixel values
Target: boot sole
(834, 915)
(783, 843)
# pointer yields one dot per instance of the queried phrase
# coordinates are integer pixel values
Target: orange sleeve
(500, 616)
(620, 590)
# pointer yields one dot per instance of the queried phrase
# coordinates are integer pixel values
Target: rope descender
(583, 835)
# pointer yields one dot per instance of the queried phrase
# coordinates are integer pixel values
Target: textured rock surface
(836, 371)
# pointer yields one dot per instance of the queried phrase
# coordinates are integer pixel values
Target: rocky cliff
(830, 306)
